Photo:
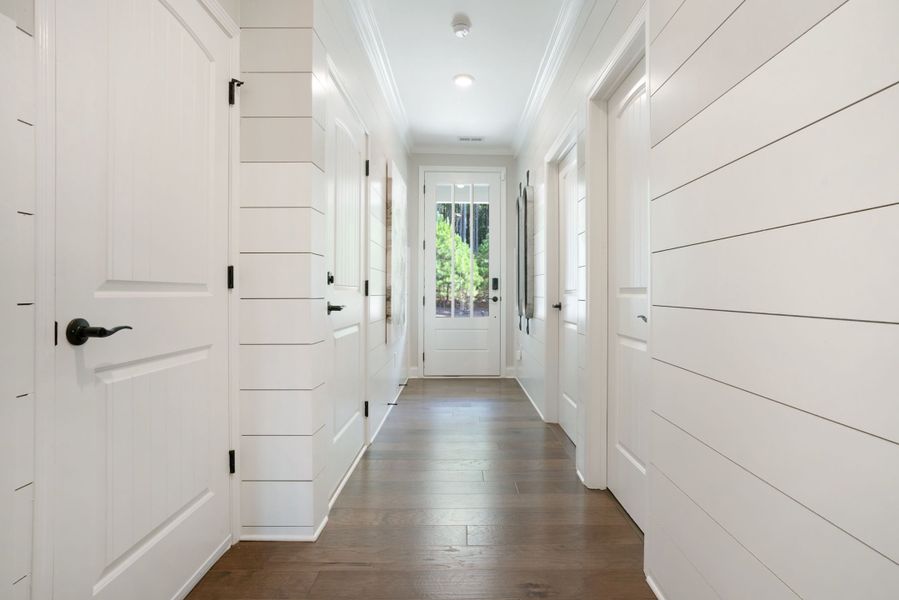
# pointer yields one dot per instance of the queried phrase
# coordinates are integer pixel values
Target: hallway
(465, 494)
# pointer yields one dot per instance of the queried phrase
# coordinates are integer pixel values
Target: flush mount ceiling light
(461, 26)
(463, 80)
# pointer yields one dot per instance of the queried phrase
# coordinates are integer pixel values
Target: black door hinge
(366, 167)
(422, 357)
(230, 277)
(366, 287)
(232, 462)
(366, 408)
(330, 278)
(422, 244)
(56, 333)
(232, 90)
(422, 300)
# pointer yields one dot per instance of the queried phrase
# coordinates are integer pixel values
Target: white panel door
(345, 389)
(568, 302)
(140, 492)
(462, 305)
(629, 293)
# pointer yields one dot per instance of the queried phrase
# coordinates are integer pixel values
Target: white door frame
(591, 454)
(565, 143)
(503, 287)
(45, 283)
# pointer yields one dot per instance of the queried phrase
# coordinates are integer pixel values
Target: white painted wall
(599, 28)
(775, 423)
(17, 271)
(285, 49)
(415, 200)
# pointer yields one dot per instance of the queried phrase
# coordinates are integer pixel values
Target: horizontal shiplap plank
(754, 33)
(22, 335)
(283, 367)
(282, 412)
(282, 95)
(282, 457)
(22, 589)
(670, 571)
(734, 422)
(264, 185)
(660, 13)
(282, 230)
(21, 12)
(26, 91)
(23, 424)
(837, 63)
(841, 370)
(695, 21)
(22, 530)
(812, 556)
(829, 268)
(276, 13)
(727, 567)
(281, 276)
(841, 164)
(24, 258)
(294, 50)
(283, 321)
(25, 174)
(276, 504)
(289, 139)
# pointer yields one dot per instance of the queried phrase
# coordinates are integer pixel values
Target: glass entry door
(462, 304)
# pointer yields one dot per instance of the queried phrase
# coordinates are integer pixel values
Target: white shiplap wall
(775, 426)
(284, 459)
(17, 267)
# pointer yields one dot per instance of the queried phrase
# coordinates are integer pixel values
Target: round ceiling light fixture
(463, 80)
(461, 26)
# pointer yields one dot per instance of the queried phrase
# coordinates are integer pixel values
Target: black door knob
(557, 306)
(495, 298)
(334, 307)
(79, 330)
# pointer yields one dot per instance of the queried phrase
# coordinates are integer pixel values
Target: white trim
(592, 457)
(556, 48)
(222, 18)
(418, 368)
(346, 477)
(389, 410)
(534, 404)
(287, 537)
(45, 297)
(204, 568)
(653, 586)
(373, 45)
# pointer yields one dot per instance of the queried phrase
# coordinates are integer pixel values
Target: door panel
(629, 290)
(568, 288)
(346, 152)
(141, 418)
(462, 259)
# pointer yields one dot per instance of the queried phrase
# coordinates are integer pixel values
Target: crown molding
(373, 45)
(556, 49)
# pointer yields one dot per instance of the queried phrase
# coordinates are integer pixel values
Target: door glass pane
(463, 262)
(480, 232)
(443, 265)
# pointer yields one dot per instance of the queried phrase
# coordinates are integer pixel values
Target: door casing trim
(418, 367)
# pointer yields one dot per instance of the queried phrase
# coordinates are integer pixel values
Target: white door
(629, 293)
(346, 151)
(568, 298)
(462, 307)
(140, 494)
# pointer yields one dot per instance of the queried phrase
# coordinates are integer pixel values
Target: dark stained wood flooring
(465, 494)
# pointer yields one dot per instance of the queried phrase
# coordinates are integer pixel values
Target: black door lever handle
(335, 307)
(557, 306)
(79, 331)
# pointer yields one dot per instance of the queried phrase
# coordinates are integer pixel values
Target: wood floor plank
(465, 495)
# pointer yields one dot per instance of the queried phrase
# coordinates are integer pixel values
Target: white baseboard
(346, 477)
(296, 534)
(534, 404)
(413, 372)
(654, 587)
(389, 410)
(191, 583)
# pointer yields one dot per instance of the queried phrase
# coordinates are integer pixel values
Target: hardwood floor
(465, 494)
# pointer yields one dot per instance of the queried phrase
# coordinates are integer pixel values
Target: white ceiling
(503, 52)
